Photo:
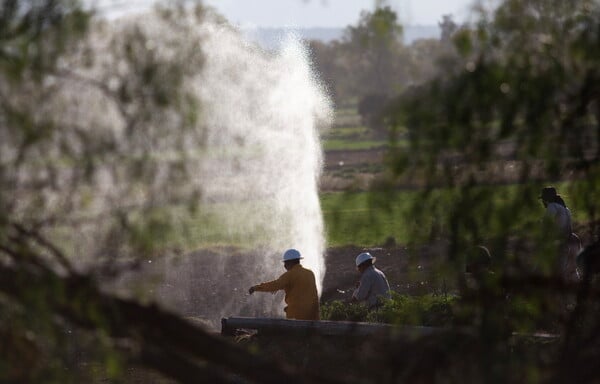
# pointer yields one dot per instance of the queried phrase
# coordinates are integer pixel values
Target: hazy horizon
(270, 37)
(307, 13)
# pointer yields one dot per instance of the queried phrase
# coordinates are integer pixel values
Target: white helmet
(363, 257)
(291, 254)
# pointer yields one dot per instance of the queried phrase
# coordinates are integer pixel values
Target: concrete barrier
(265, 325)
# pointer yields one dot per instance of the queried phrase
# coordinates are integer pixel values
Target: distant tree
(426, 60)
(431, 58)
(447, 27)
(372, 60)
(376, 48)
(370, 109)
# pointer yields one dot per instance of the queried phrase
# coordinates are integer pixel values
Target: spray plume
(263, 112)
(235, 133)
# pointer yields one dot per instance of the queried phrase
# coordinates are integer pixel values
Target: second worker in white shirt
(373, 285)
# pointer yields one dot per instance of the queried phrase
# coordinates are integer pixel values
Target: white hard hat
(291, 254)
(363, 257)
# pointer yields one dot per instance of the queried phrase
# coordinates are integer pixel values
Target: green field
(370, 218)
(350, 218)
(352, 137)
(349, 133)
(352, 145)
(364, 218)
(357, 218)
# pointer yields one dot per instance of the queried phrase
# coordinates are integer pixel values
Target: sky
(332, 13)
(313, 13)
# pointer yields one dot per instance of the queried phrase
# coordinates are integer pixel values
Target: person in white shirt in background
(373, 285)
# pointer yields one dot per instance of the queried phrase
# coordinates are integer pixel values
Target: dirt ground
(407, 272)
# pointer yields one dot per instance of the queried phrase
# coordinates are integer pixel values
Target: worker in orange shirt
(300, 288)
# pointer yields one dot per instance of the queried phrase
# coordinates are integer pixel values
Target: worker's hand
(251, 290)
(357, 284)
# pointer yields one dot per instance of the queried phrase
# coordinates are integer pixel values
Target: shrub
(426, 310)
(340, 311)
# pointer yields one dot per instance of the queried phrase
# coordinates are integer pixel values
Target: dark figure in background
(486, 303)
(569, 243)
(478, 267)
(588, 261)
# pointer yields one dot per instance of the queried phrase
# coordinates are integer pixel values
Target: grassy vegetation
(358, 218)
(426, 310)
(364, 218)
(371, 218)
(347, 115)
(343, 144)
(351, 172)
(350, 218)
(348, 133)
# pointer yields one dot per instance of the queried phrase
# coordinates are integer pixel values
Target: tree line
(370, 64)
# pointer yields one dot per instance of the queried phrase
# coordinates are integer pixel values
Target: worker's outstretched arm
(271, 286)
